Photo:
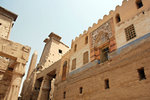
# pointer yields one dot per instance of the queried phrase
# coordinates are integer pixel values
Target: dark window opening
(107, 84)
(143, 12)
(130, 32)
(104, 54)
(0, 23)
(81, 90)
(64, 71)
(141, 74)
(12, 24)
(118, 19)
(38, 84)
(86, 40)
(139, 3)
(60, 51)
(75, 47)
(10, 69)
(64, 94)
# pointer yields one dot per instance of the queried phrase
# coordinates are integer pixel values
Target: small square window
(130, 32)
(141, 74)
(60, 51)
(139, 4)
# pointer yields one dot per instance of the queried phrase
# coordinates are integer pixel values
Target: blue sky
(67, 18)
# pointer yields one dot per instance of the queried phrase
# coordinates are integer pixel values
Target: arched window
(75, 47)
(86, 40)
(118, 19)
(139, 3)
(64, 70)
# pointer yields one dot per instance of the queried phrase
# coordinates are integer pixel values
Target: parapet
(52, 35)
(7, 13)
(121, 9)
(55, 36)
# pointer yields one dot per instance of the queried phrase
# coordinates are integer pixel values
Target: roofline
(8, 13)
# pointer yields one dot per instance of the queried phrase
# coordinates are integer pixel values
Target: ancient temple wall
(7, 19)
(5, 26)
(13, 58)
(54, 49)
(55, 54)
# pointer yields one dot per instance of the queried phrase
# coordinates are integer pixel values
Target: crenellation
(111, 12)
(124, 2)
(94, 25)
(80, 35)
(105, 16)
(46, 40)
(117, 7)
(84, 32)
(89, 28)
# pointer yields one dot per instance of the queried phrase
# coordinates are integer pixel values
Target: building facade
(13, 58)
(109, 61)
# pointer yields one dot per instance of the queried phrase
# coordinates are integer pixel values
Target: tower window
(107, 84)
(130, 32)
(139, 3)
(141, 74)
(86, 40)
(118, 19)
(60, 51)
(64, 94)
(81, 90)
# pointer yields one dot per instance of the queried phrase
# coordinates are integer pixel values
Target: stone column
(18, 73)
(51, 94)
(45, 89)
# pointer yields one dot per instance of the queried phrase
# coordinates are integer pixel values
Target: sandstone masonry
(109, 61)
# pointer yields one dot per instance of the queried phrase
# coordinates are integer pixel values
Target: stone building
(13, 58)
(109, 61)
